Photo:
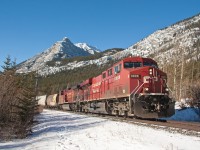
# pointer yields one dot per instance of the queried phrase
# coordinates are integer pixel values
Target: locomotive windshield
(132, 64)
(150, 64)
(139, 64)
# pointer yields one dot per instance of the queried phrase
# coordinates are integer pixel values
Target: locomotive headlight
(166, 89)
(150, 71)
(146, 89)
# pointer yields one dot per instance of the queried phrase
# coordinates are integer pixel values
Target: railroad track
(186, 128)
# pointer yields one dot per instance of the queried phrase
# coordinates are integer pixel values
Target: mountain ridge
(165, 45)
(161, 44)
(88, 48)
(59, 50)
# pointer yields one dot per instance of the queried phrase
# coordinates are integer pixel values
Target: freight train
(134, 86)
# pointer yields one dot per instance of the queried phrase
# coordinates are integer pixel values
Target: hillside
(173, 42)
(176, 49)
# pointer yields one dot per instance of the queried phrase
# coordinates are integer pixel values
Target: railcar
(41, 100)
(52, 101)
(134, 86)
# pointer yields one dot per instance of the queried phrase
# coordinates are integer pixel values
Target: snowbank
(186, 114)
(66, 131)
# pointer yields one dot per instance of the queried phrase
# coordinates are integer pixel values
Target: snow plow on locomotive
(134, 86)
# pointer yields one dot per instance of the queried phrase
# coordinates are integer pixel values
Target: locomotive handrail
(139, 88)
(134, 91)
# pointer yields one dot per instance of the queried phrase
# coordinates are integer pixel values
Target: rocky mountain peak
(59, 50)
(65, 39)
(88, 48)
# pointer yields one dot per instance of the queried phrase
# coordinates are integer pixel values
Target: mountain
(176, 48)
(88, 48)
(174, 42)
(180, 41)
(58, 51)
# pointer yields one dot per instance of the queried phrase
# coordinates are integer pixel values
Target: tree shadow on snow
(50, 128)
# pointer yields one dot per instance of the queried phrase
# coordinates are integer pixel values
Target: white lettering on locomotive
(117, 77)
(95, 90)
(96, 84)
(146, 79)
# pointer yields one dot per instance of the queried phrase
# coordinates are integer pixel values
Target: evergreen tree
(17, 102)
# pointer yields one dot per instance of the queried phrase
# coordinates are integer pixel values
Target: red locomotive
(132, 87)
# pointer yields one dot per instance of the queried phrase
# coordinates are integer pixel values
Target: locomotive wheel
(125, 114)
(117, 113)
(72, 107)
(81, 108)
(108, 107)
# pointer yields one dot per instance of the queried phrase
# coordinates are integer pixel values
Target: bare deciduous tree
(194, 94)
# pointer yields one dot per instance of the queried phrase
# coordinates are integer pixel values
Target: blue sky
(28, 27)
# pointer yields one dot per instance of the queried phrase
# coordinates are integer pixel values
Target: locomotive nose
(154, 81)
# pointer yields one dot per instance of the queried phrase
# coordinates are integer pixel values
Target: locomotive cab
(148, 89)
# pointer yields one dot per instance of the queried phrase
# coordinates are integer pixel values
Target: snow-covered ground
(61, 130)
